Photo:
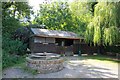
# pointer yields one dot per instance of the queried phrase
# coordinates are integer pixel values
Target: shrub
(10, 60)
(12, 51)
(13, 46)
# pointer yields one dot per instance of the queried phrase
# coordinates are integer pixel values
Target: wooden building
(54, 41)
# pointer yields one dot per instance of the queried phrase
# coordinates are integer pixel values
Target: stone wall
(45, 66)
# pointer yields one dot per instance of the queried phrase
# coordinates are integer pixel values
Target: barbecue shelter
(53, 41)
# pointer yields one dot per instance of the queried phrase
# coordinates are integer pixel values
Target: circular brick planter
(44, 65)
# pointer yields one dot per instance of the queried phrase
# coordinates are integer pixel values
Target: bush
(13, 46)
(10, 60)
(12, 51)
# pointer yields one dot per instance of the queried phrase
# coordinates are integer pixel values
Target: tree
(55, 16)
(17, 10)
(14, 14)
(83, 12)
(118, 12)
(63, 16)
(103, 28)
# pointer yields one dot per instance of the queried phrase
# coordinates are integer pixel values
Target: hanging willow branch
(89, 33)
(103, 29)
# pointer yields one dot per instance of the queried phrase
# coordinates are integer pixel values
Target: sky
(35, 4)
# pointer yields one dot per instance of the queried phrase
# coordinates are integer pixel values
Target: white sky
(35, 4)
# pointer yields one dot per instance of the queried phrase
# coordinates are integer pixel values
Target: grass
(102, 58)
(29, 70)
(21, 63)
(12, 61)
(26, 69)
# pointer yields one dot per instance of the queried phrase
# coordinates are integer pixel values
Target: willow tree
(103, 29)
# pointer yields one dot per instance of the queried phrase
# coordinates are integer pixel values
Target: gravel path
(74, 68)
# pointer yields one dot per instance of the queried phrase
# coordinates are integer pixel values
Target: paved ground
(74, 68)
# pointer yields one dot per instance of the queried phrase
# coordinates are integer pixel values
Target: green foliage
(13, 46)
(11, 49)
(13, 15)
(97, 35)
(118, 12)
(55, 16)
(63, 16)
(110, 35)
(62, 55)
(81, 15)
(30, 70)
(89, 33)
(10, 24)
(81, 10)
(10, 60)
(18, 10)
(105, 25)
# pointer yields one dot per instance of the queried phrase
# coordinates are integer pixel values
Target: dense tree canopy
(64, 16)
(56, 16)
(14, 15)
(103, 29)
(83, 13)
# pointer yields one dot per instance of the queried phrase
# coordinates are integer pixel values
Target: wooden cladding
(38, 47)
(44, 40)
(39, 40)
(52, 48)
(54, 45)
(50, 40)
(76, 42)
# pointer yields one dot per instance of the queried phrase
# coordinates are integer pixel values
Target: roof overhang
(54, 37)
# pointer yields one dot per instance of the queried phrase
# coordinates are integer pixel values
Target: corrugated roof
(53, 33)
